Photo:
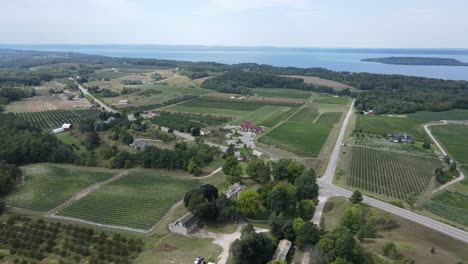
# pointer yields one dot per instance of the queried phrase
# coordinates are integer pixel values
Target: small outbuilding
(185, 225)
(65, 127)
(234, 190)
(282, 250)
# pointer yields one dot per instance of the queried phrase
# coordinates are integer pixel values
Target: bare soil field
(43, 103)
(322, 82)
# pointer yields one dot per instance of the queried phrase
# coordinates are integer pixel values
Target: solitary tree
(356, 197)
(411, 200)
(426, 145)
(453, 166)
(447, 159)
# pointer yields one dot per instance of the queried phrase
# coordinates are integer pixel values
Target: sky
(280, 23)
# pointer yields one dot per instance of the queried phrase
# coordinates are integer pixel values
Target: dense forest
(23, 143)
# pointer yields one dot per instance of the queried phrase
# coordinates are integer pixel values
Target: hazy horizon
(243, 23)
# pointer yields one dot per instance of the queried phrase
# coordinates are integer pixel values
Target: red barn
(248, 127)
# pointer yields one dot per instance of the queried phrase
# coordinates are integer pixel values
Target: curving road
(328, 189)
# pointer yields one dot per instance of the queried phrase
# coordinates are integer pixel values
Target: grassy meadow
(381, 125)
(281, 92)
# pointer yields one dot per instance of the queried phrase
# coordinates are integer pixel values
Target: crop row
(138, 200)
(55, 118)
(389, 173)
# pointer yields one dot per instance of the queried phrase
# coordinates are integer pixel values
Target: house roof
(248, 125)
(187, 220)
(233, 189)
(67, 126)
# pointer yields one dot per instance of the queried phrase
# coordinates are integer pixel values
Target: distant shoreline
(417, 61)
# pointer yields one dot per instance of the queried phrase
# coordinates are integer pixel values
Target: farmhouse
(184, 225)
(399, 138)
(234, 190)
(65, 127)
(248, 127)
(123, 102)
(139, 144)
(282, 250)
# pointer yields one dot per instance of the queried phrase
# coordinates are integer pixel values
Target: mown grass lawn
(47, 186)
(300, 138)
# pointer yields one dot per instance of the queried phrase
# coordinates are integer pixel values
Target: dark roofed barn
(184, 225)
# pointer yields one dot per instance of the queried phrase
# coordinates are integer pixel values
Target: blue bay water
(333, 59)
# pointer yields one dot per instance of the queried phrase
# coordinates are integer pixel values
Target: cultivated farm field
(455, 114)
(389, 173)
(306, 114)
(300, 138)
(279, 92)
(137, 200)
(380, 125)
(47, 186)
(455, 140)
(55, 118)
(332, 100)
(329, 118)
(451, 205)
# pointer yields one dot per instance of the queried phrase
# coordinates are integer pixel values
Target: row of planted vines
(55, 118)
(389, 173)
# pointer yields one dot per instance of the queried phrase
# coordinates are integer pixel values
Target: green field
(138, 200)
(454, 139)
(389, 173)
(175, 89)
(455, 114)
(277, 117)
(332, 100)
(280, 92)
(380, 125)
(207, 110)
(48, 186)
(267, 114)
(306, 114)
(301, 138)
(450, 205)
(329, 118)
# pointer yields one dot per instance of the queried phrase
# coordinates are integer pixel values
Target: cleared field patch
(321, 82)
(329, 118)
(455, 139)
(281, 92)
(300, 138)
(381, 125)
(44, 103)
(138, 200)
(306, 114)
(333, 100)
(390, 173)
(48, 186)
(55, 118)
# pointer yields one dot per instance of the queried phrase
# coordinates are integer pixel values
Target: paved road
(101, 104)
(459, 178)
(328, 189)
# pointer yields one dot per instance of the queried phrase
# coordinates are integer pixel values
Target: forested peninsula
(417, 61)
